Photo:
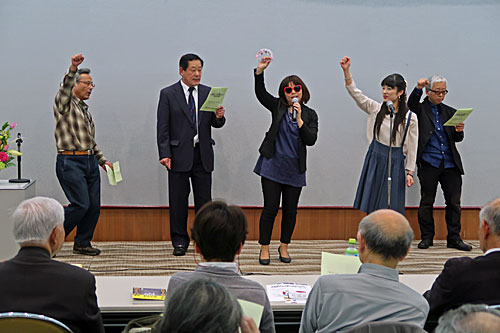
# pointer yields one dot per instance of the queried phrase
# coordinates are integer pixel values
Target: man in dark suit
(32, 282)
(438, 161)
(467, 280)
(185, 145)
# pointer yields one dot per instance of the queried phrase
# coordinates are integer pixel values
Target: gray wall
(133, 48)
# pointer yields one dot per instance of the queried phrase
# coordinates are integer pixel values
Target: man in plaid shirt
(78, 156)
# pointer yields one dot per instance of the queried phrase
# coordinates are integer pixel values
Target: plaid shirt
(74, 125)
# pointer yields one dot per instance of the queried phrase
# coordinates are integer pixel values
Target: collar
(437, 106)
(495, 249)
(34, 250)
(230, 266)
(186, 88)
(379, 271)
(79, 101)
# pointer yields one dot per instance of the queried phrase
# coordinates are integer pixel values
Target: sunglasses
(297, 88)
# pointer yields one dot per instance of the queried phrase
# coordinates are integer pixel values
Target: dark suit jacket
(33, 282)
(308, 133)
(426, 126)
(465, 280)
(175, 129)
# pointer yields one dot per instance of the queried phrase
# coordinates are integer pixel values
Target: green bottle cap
(352, 240)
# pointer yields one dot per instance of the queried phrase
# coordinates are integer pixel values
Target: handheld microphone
(294, 112)
(390, 105)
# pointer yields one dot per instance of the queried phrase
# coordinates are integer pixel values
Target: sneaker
(86, 250)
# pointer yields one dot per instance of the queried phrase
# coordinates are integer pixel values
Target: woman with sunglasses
(282, 161)
(372, 188)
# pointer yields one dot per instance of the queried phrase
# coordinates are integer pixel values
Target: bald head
(491, 215)
(481, 322)
(470, 318)
(386, 233)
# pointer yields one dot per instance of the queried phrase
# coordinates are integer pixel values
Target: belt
(76, 152)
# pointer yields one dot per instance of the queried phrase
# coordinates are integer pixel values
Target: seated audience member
(339, 302)
(203, 305)
(470, 318)
(219, 232)
(33, 282)
(471, 280)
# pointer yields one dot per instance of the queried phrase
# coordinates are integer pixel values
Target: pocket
(174, 143)
(60, 162)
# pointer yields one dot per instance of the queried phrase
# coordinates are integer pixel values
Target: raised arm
(63, 96)
(364, 103)
(416, 95)
(265, 98)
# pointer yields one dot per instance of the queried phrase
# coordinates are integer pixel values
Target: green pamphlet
(252, 310)
(214, 99)
(114, 175)
(459, 117)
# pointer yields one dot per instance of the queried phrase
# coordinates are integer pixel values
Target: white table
(114, 293)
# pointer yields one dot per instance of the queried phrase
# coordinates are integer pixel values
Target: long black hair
(394, 81)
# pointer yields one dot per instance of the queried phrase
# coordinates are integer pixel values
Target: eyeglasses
(440, 92)
(88, 83)
(297, 88)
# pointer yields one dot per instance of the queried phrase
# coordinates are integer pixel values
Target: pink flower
(3, 156)
(6, 147)
(13, 125)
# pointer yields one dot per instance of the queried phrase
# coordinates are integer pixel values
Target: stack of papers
(155, 294)
(289, 292)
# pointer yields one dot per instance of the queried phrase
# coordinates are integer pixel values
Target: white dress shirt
(195, 96)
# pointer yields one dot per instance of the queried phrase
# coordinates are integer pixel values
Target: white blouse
(372, 108)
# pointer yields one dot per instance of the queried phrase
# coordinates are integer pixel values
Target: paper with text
(214, 99)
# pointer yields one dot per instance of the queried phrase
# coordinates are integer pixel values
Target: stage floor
(155, 258)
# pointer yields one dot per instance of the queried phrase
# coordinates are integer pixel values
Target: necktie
(192, 106)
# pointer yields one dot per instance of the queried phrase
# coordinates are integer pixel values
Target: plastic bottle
(351, 249)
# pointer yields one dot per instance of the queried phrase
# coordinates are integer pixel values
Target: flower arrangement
(6, 155)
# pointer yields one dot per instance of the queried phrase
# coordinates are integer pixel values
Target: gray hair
(434, 79)
(491, 214)
(392, 245)
(465, 319)
(201, 305)
(80, 72)
(35, 219)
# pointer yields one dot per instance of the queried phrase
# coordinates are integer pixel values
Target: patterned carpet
(155, 258)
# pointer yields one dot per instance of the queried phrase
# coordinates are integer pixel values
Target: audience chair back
(30, 323)
(386, 327)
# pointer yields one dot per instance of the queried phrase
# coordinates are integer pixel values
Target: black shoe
(425, 243)
(264, 261)
(86, 250)
(179, 250)
(459, 245)
(286, 260)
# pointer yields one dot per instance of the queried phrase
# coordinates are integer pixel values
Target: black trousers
(80, 180)
(451, 184)
(272, 192)
(178, 194)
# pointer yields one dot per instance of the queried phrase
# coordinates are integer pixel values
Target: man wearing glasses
(438, 160)
(78, 156)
